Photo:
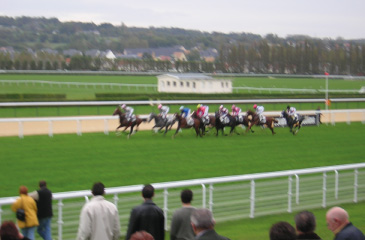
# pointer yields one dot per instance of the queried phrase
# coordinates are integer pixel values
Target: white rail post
(106, 127)
(50, 128)
(356, 173)
(165, 205)
(211, 188)
(324, 189)
(21, 130)
(60, 222)
(1, 212)
(252, 199)
(297, 189)
(116, 199)
(336, 184)
(78, 127)
(290, 181)
(348, 115)
(204, 204)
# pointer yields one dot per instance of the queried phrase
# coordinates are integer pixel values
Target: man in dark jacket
(338, 222)
(305, 223)
(203, 225)
(147, 216)
(43, 197)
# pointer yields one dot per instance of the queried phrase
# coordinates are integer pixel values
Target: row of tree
(306, 57)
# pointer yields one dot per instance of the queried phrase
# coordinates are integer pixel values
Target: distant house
(72, 52)
(94, 53)
(174, 53)
(193, 83)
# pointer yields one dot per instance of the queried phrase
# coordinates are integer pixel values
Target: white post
(324, 189)
(50, 130)
(252, 198)
(290, 180)
(211, 188)
(21, 133)
(203, 196)
(356, 173)
(60, 222)
(326, 92)
(106, 130)
(79, 127)
(115, 198)
(165, 206)
(336, 184)
(297, 189)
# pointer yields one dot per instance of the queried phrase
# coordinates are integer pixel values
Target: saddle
(262, 119)
(224, 120)
(190, 122)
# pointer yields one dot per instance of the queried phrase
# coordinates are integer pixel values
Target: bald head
(337, 218)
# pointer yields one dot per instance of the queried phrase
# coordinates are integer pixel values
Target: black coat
(211, 235)
(148, 217)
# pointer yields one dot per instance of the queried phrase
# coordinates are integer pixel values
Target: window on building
(187, 84)
(222, 84)
(174, 84)
(226, 84)
(181, 84)
(168, 83)
(194, 85)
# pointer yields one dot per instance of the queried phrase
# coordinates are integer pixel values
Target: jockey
(202, 112)
(236, 110)
(128, 112)
(223, 112)
(185, 112)
(163, 111)
(260, 111)
(292, 111)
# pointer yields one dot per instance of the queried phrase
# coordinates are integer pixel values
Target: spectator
(43, 198)
(282, 231)
(305, 223)
(141, 235)
(181, 228)
(99, 218)
(147, 216)
(338, 222)
(203, 225)
(8, 231)
(30, 208)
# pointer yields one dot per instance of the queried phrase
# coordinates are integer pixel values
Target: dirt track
(86, 126)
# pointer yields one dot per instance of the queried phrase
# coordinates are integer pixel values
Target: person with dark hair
(338, 222)
(282, 231)
(181, 228)
(99, 218)
(147, 216)
(305, 223)
(203, 223)
(8, 231)
(27, 203)
(141, 235)
(43, 198)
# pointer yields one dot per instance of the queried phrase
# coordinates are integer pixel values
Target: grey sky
(316, 18)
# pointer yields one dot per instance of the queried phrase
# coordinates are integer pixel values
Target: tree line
(238, 52)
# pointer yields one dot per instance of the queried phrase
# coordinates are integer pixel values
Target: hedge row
(32, 97)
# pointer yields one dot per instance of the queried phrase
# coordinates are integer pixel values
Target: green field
(70, 162)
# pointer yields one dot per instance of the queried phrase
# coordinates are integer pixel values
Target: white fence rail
(102, 123)
(230, 198)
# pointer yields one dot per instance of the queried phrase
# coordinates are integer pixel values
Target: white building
(193, 83)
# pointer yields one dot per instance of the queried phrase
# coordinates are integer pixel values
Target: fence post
(252, 199)
(1, 212)
(78, 127)
(211, 197)
(290, 180)
(116, 199)
(21, 133)
(165, 205)
(336, 184)
(203, 196)
(324, 189)
(297, 189)
(60, 222)
(106, 127)
(356, 173)
(50, 128)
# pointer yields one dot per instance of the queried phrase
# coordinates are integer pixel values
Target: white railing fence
(103, 122)
(230, 198)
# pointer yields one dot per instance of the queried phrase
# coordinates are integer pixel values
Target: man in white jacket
(99, 218)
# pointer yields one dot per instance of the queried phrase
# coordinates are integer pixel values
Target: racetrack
(87, 126)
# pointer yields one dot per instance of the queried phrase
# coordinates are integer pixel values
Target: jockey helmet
(233, 106)
(237, 109)
(181, 108)
(221, 107)
(288, 107)
(159, 106)
(124, 106)
(198, 106)
(255, 106)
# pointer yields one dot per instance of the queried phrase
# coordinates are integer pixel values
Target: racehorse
(203, 124)
(161, 123)
(254, 119)
(293, 124)
(125, 123)
(242, 120)
(219, 125)
(183, 123)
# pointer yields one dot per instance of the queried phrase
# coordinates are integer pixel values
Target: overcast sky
(315, 18)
